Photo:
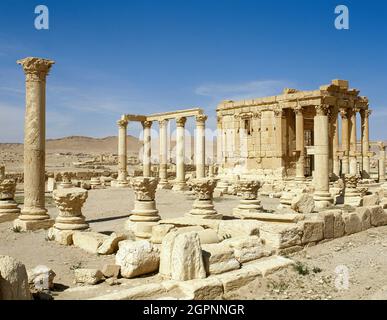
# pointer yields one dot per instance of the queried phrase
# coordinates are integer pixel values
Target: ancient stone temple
(295, 133)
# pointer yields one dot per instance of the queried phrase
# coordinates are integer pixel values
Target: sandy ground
(363, 254)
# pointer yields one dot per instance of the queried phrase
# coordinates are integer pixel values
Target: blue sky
(115, 57)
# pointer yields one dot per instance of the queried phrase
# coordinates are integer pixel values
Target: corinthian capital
(146, 124)
(344, 113)
(35, 69)
(122, 123)
(322, 109)
(201, 118)
(180, 122)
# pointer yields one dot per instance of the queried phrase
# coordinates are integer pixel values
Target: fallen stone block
(145, 291)
(237, 228)
(137, 258)
(63, 237)
(303, 203)
(378, 216)
(88, 276)
(329, 222)
(13, 280)
(219, 258)
(160, 231)
(269, 265)
(371, 200)
(42, 278)
(237, 279)
(89, 241)
(282, 235)
(247, 248)
(203, 289)
(208, 236)
(110, 245)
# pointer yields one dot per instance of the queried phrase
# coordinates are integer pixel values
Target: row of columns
(200, 154)
(348, 140)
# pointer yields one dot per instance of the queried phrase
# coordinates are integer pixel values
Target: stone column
(203, 206)
(322, 196)
(278, 113)
(344, 140)
(300, 144)
(335, 133)
(70, 202)
(365, 139)
(352, 196)
(34, 214)
(200, 152)
(353, 144)
(249, 207)
(9, 209)
(219, 141)
(382, 162)
(144, 215)
(122, 153)
(147, 163)
(180, 184)
(163, 171)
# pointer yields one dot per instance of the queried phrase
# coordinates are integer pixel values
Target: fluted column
(34, 214)
(344, 140)
(353, 144)
(382, 162)
(180, 184)
(122, 153)
(163, 170)
(300, 144)
(146, 161)
(322, 196)
(365, 139)
(200, 152)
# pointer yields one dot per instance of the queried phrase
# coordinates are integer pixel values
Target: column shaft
(122, 151)
(180, 184)
(300, 175)
(336, 161)
(345, 141)
(382, 162)
(147, 149)
(365, 142)
(163, 170)
(353, 144)
(200, 152)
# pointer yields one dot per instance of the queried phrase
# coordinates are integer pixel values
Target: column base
(32, 225)
(247, 207)
(71, 223)
(322, 200)
(9, 210)
(204, 209)
(143, 217)
(352, 197)
(120, 184)
(164, 185)
(180, 186)
(299, 178)
(142, 230)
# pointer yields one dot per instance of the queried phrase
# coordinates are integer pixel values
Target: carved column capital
(322, 109)
(122, 123)
(144, 188)
(343, 113)
(278, 112)
(201, 119)
(180, 122)
(35, 69)
(163, 123)
(298, 110)
(146, 124)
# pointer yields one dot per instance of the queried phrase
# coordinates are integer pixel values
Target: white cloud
(238, 91)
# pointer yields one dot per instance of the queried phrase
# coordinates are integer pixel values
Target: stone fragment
(208, 236)
(339, 225)
(13, 280)
(160, 231)
(303, 203)
(110, 245)
(42, 278)
(378, 216)
(329, 223)
(237, 228)
(111, 270)
(88, 276)
(269, 265)
(237, 279)
(219, 258)
(89, 241)
(9, 209)
(137, 258)
(247, 248)
(203, 289)
(371, 200)
(64, 237)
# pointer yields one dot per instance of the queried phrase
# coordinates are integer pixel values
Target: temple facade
(296, 133)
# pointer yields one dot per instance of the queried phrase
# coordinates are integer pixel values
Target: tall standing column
(200, 152)
(278, 113)
(300, 144)
(146, 161)
(335, 149)
(34, 214)
(180, 184)
(353, 144)
(122, 153)
(365, 139)
(219, 141)
(163, 170)
(322, 196)
(382, 162)
(345, 140)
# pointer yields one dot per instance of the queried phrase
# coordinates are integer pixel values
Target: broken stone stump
(9, 209)
(88, 276)
(42, 278)
(203, 206)
(303, 203)
(144, 215)
(89, 241)
(70, 202)
(181, 257)
(378, 216)
(352, 196)
(137, 258)
(249, 204)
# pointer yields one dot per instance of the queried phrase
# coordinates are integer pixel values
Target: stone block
(303, 203)
(371, 200)
(64, 237)
(89, 241)
(339, 226)
(137, 258)
(219, 258)
(110, 245)
(111, 270)
(313, 230)
(329, 222)
(88, 276)
(203, 289)
(33, 225)
(208, 236)
(237, 279)
(247, 248)
(365, 217)
(269, 265)
(352, 222)
(282, 235)
(237, 228)
(378, 216)
(160, 231)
